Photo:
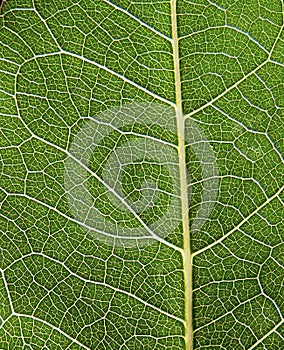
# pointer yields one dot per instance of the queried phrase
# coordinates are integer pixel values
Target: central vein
(187, 264)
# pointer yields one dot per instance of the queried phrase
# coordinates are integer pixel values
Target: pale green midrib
(186, 254)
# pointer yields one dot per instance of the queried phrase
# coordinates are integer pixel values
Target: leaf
(141, 184)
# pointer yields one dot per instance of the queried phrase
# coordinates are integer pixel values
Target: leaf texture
(141, 183)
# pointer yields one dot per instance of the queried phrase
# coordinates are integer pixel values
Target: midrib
(187, 265)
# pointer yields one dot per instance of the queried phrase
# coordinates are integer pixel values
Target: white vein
(272, 144)
(102, 284)
(143, 24)
(266, 335)
(210, 246)
(226, 26)
(7, 290)
(122, 200)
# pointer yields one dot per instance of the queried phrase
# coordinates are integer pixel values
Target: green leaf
(141, 183)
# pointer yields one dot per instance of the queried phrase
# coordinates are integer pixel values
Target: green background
(63, 60)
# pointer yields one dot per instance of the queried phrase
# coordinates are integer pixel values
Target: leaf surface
(141, 183)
